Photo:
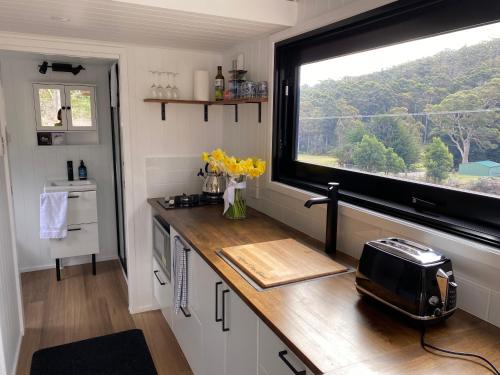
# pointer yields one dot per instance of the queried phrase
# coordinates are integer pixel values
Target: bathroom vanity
(83, 230)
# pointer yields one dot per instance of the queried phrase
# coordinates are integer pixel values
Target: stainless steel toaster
(410, 277)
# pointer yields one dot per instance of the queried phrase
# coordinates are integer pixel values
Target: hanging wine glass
(159, 87)
(168, 89)
(153, 89)
(175, 90)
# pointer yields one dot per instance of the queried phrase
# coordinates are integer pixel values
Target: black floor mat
(124, 353)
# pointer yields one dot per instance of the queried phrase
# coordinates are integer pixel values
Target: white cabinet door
(50, 107)
(161, 288)
(241, 339)
(274, 357)
(188, 333)
(229, 327)
(82, 239)
(186, 323)
(82, 207)
(228, 338)
(81, 108)
(214, 346)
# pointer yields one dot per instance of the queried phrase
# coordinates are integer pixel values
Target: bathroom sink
(71, 183)
(65, 185)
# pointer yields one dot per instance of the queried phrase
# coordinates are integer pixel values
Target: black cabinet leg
(58, 269)
(93, 265)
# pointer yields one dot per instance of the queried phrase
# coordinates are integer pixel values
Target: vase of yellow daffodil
(237, 171)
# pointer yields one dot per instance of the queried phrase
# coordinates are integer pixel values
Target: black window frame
(469, 215)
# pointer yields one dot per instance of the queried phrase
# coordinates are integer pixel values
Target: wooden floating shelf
(234, 102)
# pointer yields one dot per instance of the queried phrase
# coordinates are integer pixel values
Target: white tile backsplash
(173, 175)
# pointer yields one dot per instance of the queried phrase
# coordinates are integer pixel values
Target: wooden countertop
(324, 321)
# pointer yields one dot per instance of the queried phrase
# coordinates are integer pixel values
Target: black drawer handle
(158, 277)
(73, 196)
(186, 313)
(74, 229)
(224, 328)
(217, 284)
(282, 355)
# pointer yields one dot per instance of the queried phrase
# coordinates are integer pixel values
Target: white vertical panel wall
(10, 314)
(10, 326)
(31, 164)
(164, 153)
(477, 266)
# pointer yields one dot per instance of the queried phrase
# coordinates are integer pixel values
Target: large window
(402, 107)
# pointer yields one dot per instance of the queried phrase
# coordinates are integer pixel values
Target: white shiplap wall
(164, 152)
(10, 314)
(10, 326)
(477, 266)
(32, 165)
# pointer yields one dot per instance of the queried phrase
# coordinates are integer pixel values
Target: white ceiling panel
(125, 22)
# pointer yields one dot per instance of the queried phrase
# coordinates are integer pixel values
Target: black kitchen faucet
(332, 201)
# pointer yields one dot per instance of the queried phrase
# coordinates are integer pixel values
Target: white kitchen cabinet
(186, 324)
(274, 355)
(214, 342)
(61, 108)
(229, 327)
(223, 336)
(163, 292)
(241, 339)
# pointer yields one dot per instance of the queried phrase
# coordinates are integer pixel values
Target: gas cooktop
(190, 200)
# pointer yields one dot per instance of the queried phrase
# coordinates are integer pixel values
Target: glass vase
(237, 209)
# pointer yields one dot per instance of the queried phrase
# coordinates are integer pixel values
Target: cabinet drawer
(162, 291)
(82, 207)
(270, 361)
(82, 239)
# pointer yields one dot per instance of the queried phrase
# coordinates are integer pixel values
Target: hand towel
(53, 211)
(180, 277)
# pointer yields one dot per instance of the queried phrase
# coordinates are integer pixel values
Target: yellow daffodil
(218, 154)
(219, 161)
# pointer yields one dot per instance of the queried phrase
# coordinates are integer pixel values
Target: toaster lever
(442, 281)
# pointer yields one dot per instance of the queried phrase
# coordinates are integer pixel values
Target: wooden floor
(81, 306)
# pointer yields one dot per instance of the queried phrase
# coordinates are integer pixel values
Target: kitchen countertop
(324, 321)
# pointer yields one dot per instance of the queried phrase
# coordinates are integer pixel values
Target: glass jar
(235, 198)
(262, 89)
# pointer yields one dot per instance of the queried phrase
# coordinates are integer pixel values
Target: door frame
(46, 45)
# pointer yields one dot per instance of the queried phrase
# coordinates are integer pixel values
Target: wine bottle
(219, 84)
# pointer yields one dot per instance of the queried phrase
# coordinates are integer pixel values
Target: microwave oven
(161, 245)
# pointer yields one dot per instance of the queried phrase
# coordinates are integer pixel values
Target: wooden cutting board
(281, 262)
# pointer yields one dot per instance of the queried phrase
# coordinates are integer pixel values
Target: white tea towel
(53, 211)
(181, 274)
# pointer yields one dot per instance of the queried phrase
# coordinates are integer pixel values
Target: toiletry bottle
(82, 171)
(69, 165)
(219, 84)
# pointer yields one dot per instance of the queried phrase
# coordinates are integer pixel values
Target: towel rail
(187, 249)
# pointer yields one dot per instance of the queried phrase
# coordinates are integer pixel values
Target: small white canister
(201, 89)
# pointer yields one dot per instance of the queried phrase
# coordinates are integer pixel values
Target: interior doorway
(43, 109)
